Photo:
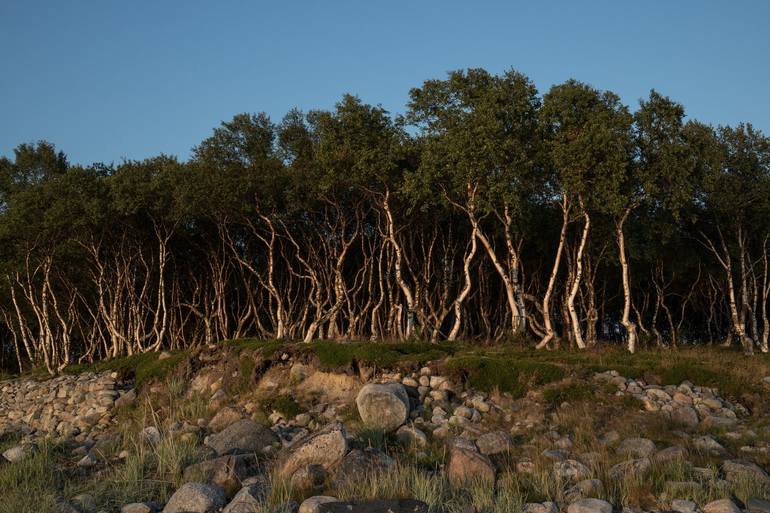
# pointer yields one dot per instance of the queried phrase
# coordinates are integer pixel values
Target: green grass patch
(143, 367)
(33, 484)
(504, 374)
(267, 348)
(335, 355)
(570, 393)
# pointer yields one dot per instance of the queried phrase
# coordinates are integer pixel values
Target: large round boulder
(196, 498)
(384, 406)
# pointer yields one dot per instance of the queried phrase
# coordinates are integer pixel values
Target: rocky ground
(285, 434)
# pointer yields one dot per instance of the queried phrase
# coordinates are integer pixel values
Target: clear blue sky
(106, 80)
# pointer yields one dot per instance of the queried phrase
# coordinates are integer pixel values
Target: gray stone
(139, 507)
(537, 507)
(326, 447)
(196, 498)
(89, 460)
(227, 472)
(126, 399)
(670, 454)
(223, 418)
(312, 504)
(571, 470)
(494, 442)
(19, 452)
(309, 477)
(683, 506)
(467, 466)
(739, 470)
(375, 506)
(708, 445)
(150, 434)
(590, 506)
(384, 406)
(247, 500)
(639, 447)
(242, 436)
(634, 467)
(721, 506)
(411, 436)
(685, 416)
(360, 462)
(758, 505)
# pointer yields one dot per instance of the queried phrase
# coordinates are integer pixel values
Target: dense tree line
(486, 212)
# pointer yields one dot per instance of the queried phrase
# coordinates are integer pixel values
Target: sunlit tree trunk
(577, 331)
(629, 325)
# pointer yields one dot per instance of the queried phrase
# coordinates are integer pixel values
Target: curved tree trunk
(547, 324)
(626, 318)
(577, 331)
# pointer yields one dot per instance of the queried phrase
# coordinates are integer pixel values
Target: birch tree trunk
(547, 323)
(629, 325)
(577, 331)
(458, 302)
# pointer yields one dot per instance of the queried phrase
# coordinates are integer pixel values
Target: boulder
(670, 454)
(196, 498)
(411, 436)
(571, 470)
(635, 467)
(19, 452)
(125, 400)
(685, 416)
(683, 506)
(639, 447)
(495, 442)
(359, 463)
(247, 500)
(739, 470)
(139, 507)
(150, 435)
(383, 406)
(309, 477)
(708, 445)
(467, 466)
(758, 505)
(223, 418)
(590, 506)
(312, 504)
(374, 506)
(721, 506)
(325, 447)
(227, 472)
(538, 507)
(242, 436)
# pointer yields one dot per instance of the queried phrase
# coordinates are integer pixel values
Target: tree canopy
(487, 212)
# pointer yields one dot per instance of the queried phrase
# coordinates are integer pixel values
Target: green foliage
(285, 224)
(142, 367)
(334, 355)
(33, 484)
(267, 348)
(489, 373)
(569, 392)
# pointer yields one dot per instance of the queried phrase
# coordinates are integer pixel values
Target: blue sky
(106, 80)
